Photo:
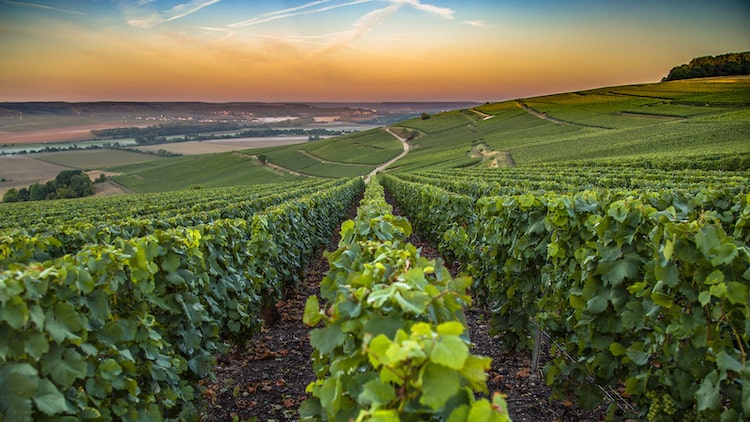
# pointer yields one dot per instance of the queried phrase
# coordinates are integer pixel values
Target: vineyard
(117, 311)
(639, 277)
(632, 270)
(117, 305)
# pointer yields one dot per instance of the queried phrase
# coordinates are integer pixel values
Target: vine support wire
(610, 393)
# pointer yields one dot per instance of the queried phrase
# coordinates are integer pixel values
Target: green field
(95, 158)
(210, 170)
(679, 118)
(368, 147)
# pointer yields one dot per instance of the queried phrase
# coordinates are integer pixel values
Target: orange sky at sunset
(349, 50)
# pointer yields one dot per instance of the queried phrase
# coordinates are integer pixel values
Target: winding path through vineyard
(406, 148)
(324, 161)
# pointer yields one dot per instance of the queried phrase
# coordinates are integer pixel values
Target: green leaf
(526, 201)
(481, 411)
(668, 249)
(171, 263)
(421, 329)
(48, 399)
(725, 362)
(718, 290)
(668, 274)
(98, 304)
(617, 271)
(376, 350)
(312, 314)
(377, 393)
(387, 325)
(737, 293)
(14, 312)
(459, 414)
(109, 369)
(379, 297)
(330, 397)
(723, 254)
(715, 277)
(475, 372)
(63, 322)
(36, 315)
(19, 379)
(18, 384)
(708, 394)
(36, 345)
(597, 304)
(662, 299)
(439, 384)
(704, 297)
(328, 338)
(638, 356)
(385, 415)
(413, 301)
(617, 349)
(84, 281)
(64, 366)
(404, 350)
(451, 327)
(500, 407)
(450, 351)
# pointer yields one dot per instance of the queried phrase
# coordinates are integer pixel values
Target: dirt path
(538, 114)
(483, 115)
(324, 161)
(401, 155)
(544, 116)
(273, 166)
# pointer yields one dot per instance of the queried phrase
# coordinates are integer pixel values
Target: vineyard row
(393, 344)
(125, 328)
(648, 291)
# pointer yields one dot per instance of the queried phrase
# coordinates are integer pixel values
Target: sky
(350, 50)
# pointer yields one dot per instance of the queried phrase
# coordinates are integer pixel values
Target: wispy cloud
(295, 11)
(185, 9)
(443, 12)
(42, 7)
(367, 22)
(228, 33)
(478, 23)
(363, 25)
(141, 15)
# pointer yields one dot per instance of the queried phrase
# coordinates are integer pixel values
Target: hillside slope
(668, 120)
(680, 118)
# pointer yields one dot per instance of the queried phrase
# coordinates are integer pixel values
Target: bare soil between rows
(265, 379)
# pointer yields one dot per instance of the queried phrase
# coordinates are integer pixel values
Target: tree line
(706, 66)
(67, 184)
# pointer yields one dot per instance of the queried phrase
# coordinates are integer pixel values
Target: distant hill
(706, 66)
(378, 113)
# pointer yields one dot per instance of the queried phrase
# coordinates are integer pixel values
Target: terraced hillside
(680, 119)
